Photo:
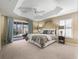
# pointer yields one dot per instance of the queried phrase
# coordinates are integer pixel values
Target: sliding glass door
(20, 28)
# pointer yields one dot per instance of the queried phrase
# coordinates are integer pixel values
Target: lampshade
(61, 27)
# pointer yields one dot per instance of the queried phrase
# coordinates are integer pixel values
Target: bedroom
(52, 32)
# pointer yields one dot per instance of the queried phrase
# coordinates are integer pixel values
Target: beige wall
(0, 31)
(3, 30)
(43, 24)
(53, 23)
(74, 17)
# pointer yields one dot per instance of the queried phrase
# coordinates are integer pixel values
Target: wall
(0, 31)
(74, 17)
(43, 25)
(53, 23)
(4, 23)
(3, 29)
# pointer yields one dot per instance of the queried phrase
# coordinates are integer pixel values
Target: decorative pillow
(34, 38)
(38, 38)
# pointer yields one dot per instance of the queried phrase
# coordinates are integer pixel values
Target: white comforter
(50, 38)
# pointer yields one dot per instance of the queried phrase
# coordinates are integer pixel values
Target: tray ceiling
(37, 10)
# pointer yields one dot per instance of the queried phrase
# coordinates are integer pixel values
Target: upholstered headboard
(48, 31)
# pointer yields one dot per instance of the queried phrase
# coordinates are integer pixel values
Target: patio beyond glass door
(19, 28)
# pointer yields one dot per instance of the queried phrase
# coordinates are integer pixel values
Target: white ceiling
(7, 7)
(37, 9)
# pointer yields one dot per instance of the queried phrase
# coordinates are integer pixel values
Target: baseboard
(72, 44)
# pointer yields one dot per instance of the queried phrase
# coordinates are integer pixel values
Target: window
(62, 23)
(66, 28)
(61, 28)
(20, 28)
(25, 28)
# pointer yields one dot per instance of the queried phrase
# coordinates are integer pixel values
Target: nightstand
(61, 39)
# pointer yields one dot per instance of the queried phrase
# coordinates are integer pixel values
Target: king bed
(42, 40)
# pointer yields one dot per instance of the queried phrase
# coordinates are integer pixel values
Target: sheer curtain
(10, 29)
(66, 28)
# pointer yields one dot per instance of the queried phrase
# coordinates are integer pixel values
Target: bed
(42, 40)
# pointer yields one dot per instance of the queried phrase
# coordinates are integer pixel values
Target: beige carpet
(24, 50)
